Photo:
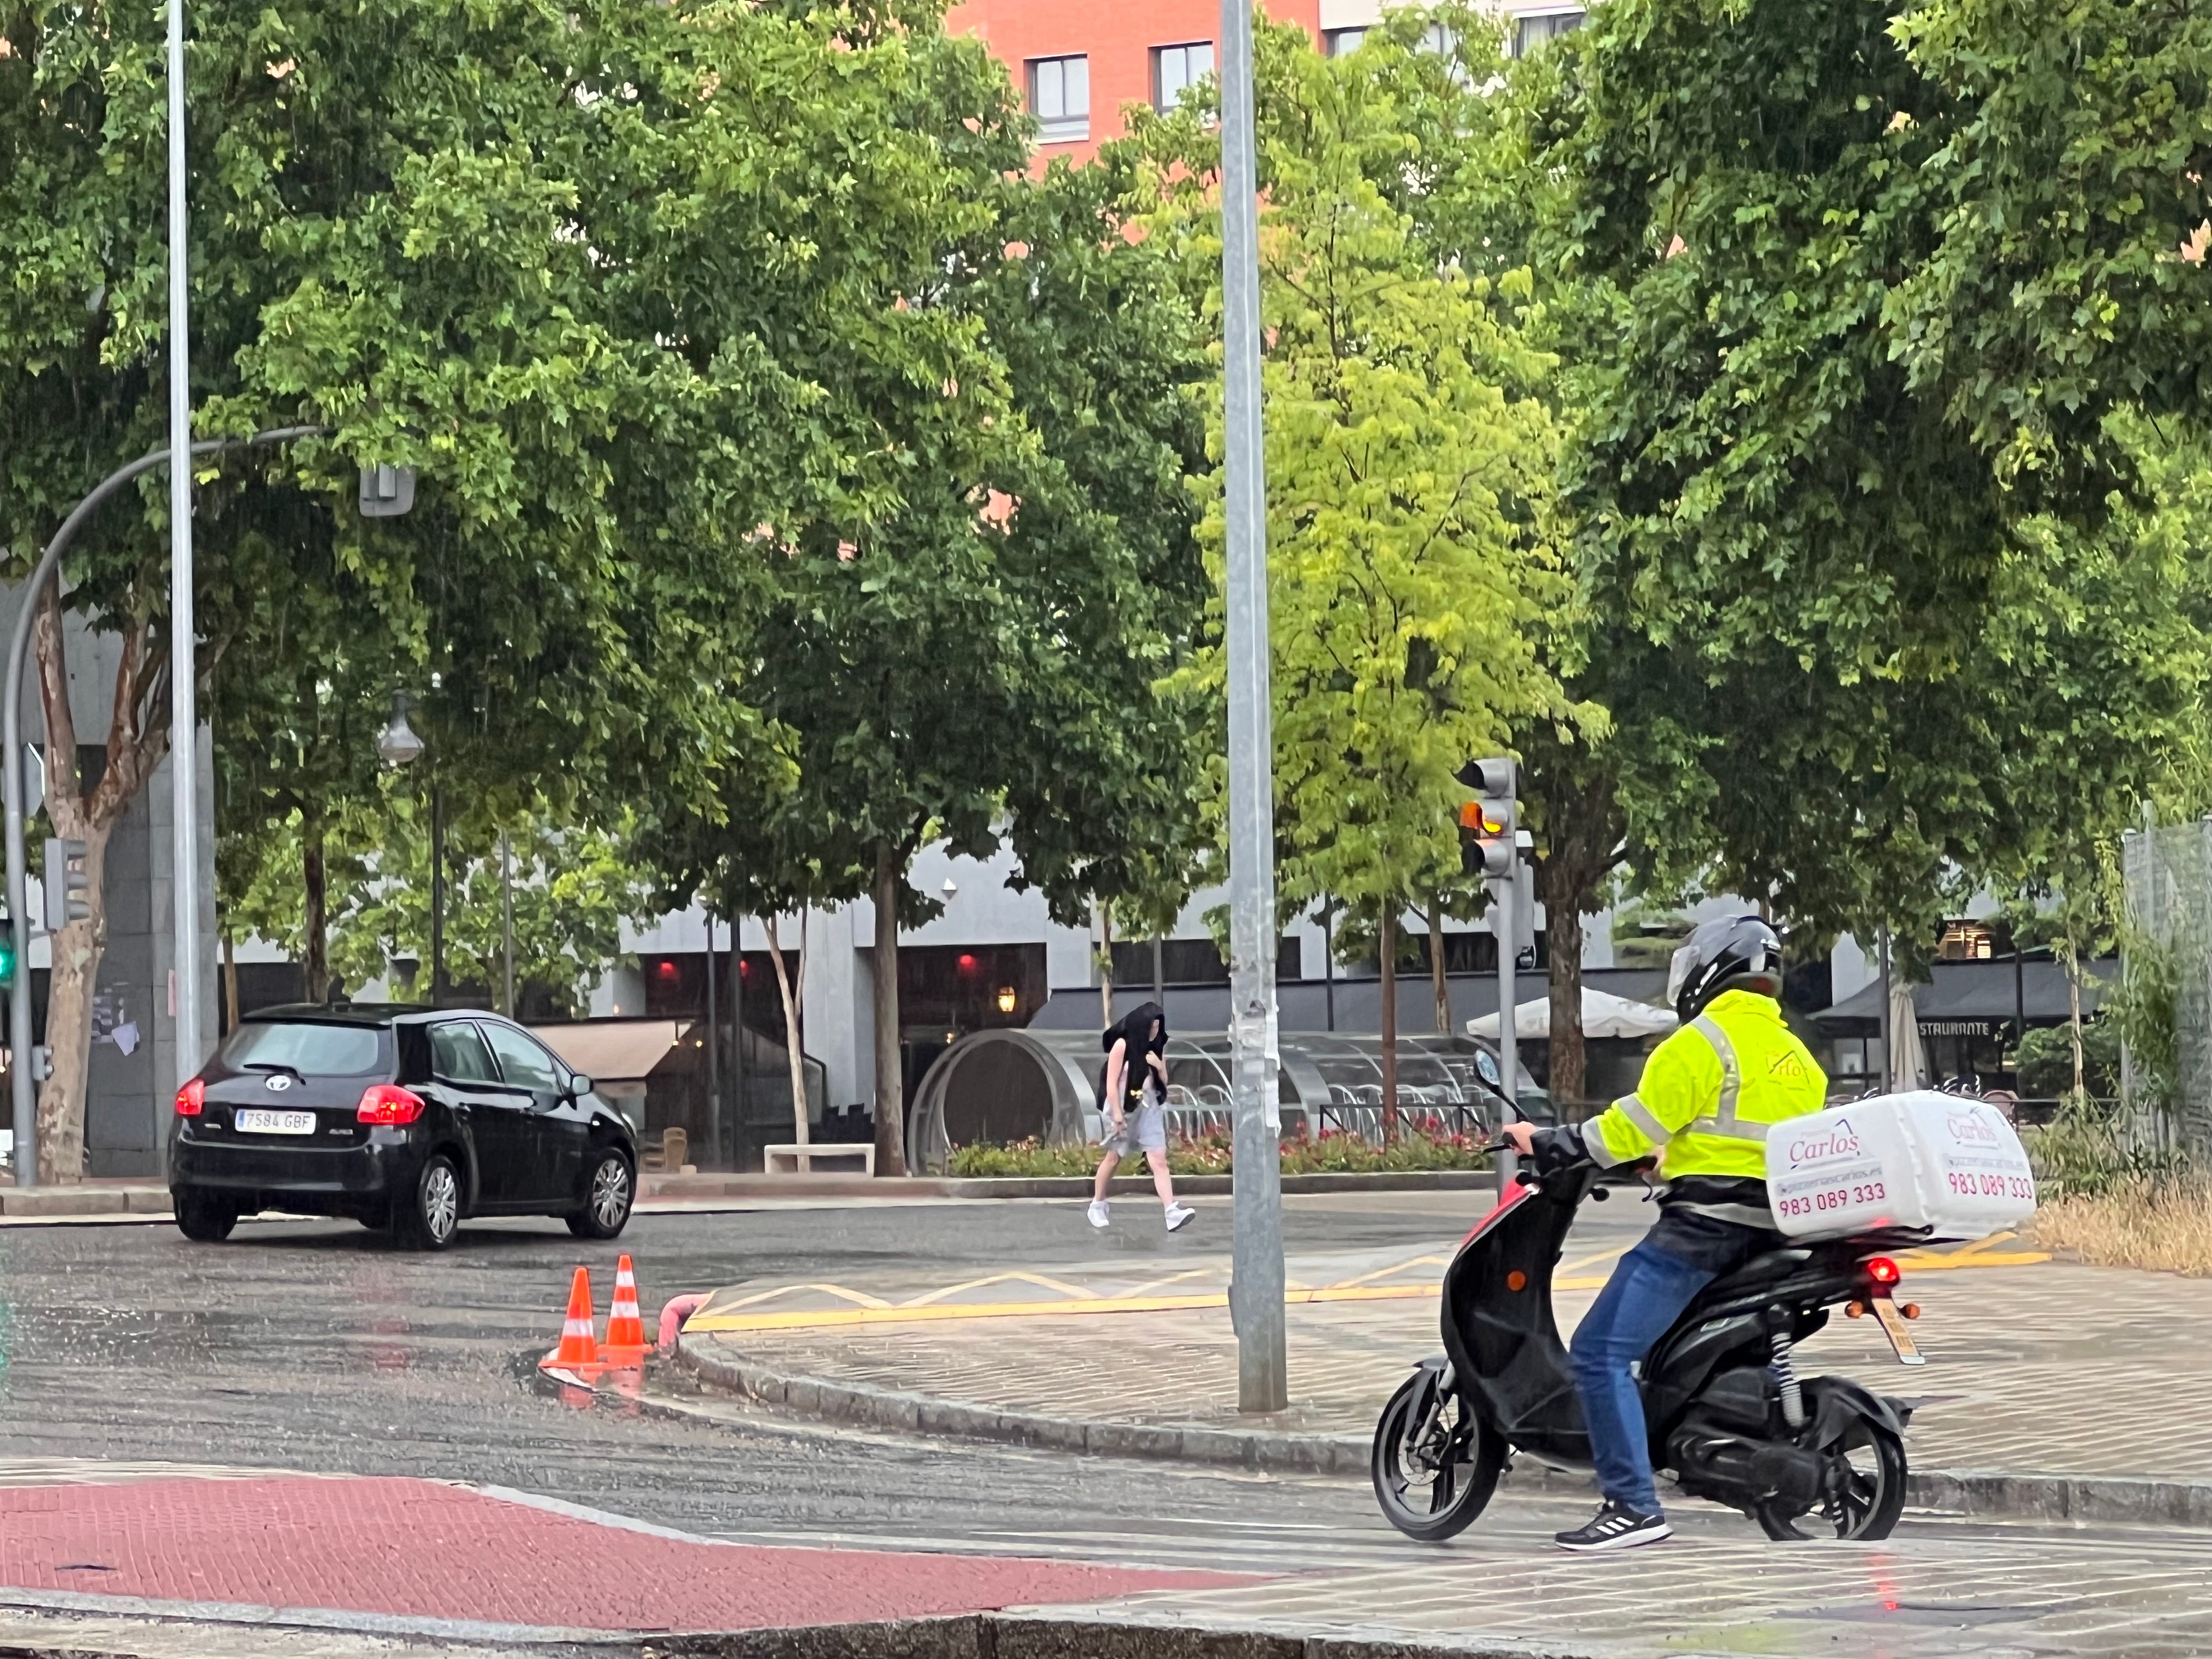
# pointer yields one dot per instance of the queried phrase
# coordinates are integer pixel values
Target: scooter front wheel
(1435, 1462)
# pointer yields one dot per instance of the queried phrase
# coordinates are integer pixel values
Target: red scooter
(1726, 1410)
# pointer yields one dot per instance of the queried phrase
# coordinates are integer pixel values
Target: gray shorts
(1143, 1129)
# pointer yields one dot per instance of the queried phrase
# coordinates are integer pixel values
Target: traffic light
(7, 953)
(66, 883)
(1487, 825)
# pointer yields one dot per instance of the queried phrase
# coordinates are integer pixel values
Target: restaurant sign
(1961, 1028)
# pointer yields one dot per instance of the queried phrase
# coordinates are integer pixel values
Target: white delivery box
(1937, 1165)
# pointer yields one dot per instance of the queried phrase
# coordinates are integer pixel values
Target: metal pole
(1883, 946)
(1256, 1287)
(507, 919)
(184, 636)
(437, 895)
(714, 1050)
(1159, 980)
(1508, 1163)
(25, 1110)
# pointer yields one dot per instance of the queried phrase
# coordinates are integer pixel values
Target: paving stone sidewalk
(2051, 1369)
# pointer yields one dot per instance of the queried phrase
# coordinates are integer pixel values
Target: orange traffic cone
(625, 1343)
(578, 1348)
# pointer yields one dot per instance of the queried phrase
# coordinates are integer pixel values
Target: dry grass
(2165, 1227)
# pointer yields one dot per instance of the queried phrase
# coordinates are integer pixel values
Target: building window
(1175, 69)
(1965, 938)
(1339, 42)
(1533, 31)
(1060, 97)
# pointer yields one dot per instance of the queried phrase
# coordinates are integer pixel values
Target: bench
(791, 1158)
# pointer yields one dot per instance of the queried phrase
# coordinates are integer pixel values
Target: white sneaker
(1177, 1214)
(1098, 1215)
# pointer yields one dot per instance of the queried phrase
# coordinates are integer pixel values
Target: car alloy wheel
(611, 1193)
(441, 1201)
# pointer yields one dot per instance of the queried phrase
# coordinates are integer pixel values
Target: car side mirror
(578, 1084)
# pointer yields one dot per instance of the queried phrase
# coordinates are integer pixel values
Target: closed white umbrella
(1604, 1015)
(1908, 1059)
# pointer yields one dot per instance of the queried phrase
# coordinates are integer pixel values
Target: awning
(1973, 999)
(1604, 1015)
(612, 1050)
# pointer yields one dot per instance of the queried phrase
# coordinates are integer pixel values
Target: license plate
(1900, 1337)
(251, 1121)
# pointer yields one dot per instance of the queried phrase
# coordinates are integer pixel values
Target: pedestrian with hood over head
(1133, 1100)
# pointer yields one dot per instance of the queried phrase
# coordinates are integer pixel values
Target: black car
(403, 1117)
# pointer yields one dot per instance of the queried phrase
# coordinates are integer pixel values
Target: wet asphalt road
(316, 1347)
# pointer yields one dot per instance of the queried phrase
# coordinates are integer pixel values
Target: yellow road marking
(859, 1297)
(931, 1308)
(1038, 1279)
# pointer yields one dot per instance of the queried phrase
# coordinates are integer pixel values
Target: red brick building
(1079, 62)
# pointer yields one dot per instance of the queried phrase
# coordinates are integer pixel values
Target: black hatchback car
(398, 1117)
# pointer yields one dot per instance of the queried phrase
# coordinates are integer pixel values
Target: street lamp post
(1256, 1283)
(398, 745)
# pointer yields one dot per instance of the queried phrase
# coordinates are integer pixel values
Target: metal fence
(2168, 871)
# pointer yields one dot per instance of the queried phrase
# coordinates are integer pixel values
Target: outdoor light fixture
(398, 743)
(1007, 998)
(951, 887)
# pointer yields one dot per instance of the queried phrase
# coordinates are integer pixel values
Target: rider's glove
(1558, 1149)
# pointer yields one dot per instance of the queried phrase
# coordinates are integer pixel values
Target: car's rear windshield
(303, 1045)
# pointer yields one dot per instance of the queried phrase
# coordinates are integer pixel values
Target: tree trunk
(1387, 950)
(794, 1043)
(229, 982)
(314, 884)
(1105, 968)
(890, 1089)
(1436, 967)
(1563, 928)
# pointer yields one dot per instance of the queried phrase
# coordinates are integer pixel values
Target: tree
(967, 623)
(570, 286)
(1849, 664)
(1408, 467)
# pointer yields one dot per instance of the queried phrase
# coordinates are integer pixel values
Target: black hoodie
(1135, 1028)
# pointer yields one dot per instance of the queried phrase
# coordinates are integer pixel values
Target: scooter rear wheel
(1871, 1499)
(1434, 1470)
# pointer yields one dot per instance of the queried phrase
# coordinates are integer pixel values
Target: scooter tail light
(1883, 1271)
(386, 1105)
(191, 1099)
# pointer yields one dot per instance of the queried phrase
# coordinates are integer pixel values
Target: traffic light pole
(1255, 1287)
(1509, 1064)
(11, 775)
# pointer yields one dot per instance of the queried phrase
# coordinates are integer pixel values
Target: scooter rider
(1703, 1104)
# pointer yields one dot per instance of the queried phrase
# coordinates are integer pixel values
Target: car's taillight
(1883, 1271)
(191, 1099)
(388, 1105)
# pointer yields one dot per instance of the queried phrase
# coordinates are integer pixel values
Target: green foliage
(1408, 460)
(2141, 1008)
(2046, 1061)
(1805, 567)
(2080, 1152)
(573, 890)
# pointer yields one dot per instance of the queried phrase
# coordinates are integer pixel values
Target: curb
(2087, 1498)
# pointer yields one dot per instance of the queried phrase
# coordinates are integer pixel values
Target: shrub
(1424, 1144)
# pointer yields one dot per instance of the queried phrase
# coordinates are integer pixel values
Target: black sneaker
(1615, 1526)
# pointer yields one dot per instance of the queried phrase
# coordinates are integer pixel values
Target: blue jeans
(1646, 1294)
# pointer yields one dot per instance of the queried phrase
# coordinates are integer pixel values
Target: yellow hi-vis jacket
(1710, 1091)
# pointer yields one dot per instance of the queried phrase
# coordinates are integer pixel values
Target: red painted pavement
(414, 1548)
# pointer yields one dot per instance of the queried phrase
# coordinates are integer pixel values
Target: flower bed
(1421, 1144)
